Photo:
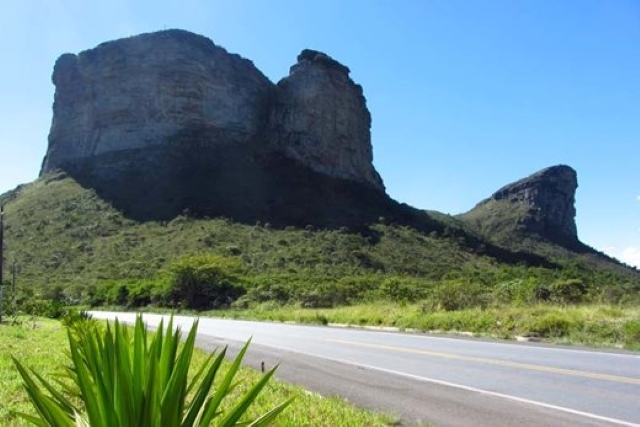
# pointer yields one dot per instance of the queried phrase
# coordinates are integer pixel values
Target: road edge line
(479, 390)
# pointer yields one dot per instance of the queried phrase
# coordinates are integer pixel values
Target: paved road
(440, 380)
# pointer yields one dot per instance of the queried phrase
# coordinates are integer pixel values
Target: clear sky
(466, 95)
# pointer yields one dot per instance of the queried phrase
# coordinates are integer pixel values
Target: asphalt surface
(438, 380)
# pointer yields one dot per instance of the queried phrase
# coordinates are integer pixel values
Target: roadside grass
(39, 344)
(590, 325)
(42, 344)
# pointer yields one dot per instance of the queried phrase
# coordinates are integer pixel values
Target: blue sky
(466, 95)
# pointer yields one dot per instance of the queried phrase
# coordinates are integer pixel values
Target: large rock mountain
(541, 205)
(144, 91)
(165, 122)
(168, 122)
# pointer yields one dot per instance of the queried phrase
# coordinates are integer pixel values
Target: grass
(591, 325)
(41, 345)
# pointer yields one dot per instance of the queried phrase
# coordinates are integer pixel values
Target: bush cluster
(206, 282)
(211, 281)
(197, 282)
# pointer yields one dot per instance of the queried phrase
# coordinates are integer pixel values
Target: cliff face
(320, 119)
(160, 89)
(542, 204)
(166, 122)
(549, 197)
(144, 91)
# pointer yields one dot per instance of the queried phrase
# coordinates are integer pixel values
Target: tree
(205, 281)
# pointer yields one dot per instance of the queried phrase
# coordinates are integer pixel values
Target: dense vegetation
(71, 247)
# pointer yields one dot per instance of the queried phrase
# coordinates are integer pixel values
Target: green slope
(499, 222)
(60, 234)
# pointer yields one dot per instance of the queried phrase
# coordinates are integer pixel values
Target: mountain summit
(167, 121)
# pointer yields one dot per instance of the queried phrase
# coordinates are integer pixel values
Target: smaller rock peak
(558, 169)
(562, 178)
(555, 172)
(310, 56)
(542, 204)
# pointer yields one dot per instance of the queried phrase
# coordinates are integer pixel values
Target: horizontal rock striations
(550, 199)
(165, 122)
(541, 205)
(321, 119)
(145, 91)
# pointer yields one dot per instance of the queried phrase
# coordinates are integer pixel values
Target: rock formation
(149, 90)
(320, 118)
(166, 122)
(541, 205)
(143, 91)
(549, 196)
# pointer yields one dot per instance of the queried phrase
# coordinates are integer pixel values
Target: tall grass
(594, 325)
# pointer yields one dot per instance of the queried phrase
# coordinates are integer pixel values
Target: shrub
(517, 291)
(315, 298)
(402, 289)
(44, 308)
(142, 292)
(124, 378)
(73, 316)
(7, 306)
(458, 295)
(618, 293)
(568, 291)
(204, 281)
(122, 295)
(550, 325)
(55, 293)
(631, 330)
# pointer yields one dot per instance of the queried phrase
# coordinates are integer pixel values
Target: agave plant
(125, 376)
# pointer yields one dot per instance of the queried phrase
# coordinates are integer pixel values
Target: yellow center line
(525, 366)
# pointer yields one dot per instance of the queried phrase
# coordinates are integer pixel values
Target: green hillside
(69, 244)
(499, 222)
